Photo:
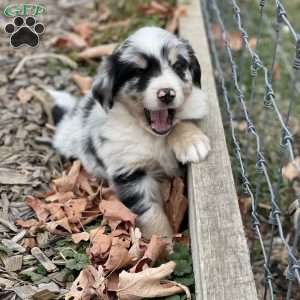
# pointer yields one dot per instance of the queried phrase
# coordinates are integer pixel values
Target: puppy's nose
(166, 95)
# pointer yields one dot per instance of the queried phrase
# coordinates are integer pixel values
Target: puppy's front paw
(189, 143)
(193, 149)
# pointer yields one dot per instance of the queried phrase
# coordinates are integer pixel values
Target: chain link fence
(256, 54)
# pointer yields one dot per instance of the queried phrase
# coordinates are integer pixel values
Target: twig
(39, 96)
(64, 59)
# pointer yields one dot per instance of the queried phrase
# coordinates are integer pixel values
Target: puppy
(137, 123)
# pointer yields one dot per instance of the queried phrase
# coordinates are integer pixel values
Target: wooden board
(219, 248)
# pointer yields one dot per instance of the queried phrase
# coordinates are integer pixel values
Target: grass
(265, 120)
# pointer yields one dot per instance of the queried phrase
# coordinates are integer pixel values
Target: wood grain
(220, 253)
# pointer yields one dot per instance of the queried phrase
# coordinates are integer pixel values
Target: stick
(62, 58)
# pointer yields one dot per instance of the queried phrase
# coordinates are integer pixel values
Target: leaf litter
(62, 230)
(114, 259)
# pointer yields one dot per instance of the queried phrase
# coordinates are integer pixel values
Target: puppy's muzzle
(166, 95)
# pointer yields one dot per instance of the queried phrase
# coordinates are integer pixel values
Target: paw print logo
(24, 32)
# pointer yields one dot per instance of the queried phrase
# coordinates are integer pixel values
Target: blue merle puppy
(138, 121)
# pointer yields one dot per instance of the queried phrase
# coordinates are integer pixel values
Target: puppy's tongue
(159, 120)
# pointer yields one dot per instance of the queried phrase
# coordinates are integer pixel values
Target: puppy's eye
(180, 65)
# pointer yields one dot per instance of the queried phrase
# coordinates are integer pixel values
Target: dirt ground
(27, 161)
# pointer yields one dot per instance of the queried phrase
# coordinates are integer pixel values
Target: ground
(28, 163)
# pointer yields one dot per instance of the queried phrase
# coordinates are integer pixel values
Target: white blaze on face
(167, 79)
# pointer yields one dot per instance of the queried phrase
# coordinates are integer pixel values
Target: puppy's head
(151, 73)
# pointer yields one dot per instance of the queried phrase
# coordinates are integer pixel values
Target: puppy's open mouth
(160, 121)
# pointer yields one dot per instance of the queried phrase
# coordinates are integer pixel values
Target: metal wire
(214, 15)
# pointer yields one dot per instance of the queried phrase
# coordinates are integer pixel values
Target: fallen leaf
(84, 30)
(84, 82)
(81, 236)
(177, 13)
(98, 51)
(252, 42)
(24, 95)
(29, 243)
(28, 223)
(59, 227)
(235, 40)
(100, 245)
(290, 171)
(39, 208)
(70, 40)
(113, 281)
(245, 205)
(60, 197)
(66, 183)
(155, 8)
(216, 32)
(135, 250)
(90, 284)
(147, 284)
(176, 205)
(56, 211)
(115, 212)
(276, 72)
(155, 249)
(118, 255)
(74, 209)
(84, 184)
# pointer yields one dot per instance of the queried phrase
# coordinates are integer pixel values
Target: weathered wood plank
(220, 253)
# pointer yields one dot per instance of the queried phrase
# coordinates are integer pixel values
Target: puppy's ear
(194, 65)
(102, 89)
(195, 69)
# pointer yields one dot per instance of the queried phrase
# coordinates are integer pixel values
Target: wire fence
(251, 95)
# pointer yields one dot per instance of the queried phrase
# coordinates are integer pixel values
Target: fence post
(220, 253)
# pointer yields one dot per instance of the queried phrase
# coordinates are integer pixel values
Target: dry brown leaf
(39, 208)
(113, 281)
(276, 72)
(235, 40)
(290, 171)
(155, 249)
(24, 95)
(216, 32)
(70, 40)
(118, 255)
(147, 284)
(135, 250)
(60, 197)
(84, 184)
(173, 23)
(28, 223)
(29, 243)
(98, 51)
(74, 209)
(90, 284)
(66, 183)
(100, 245)
(176, 205)
(245, 205)
(81, 236)
(84, 30)
(156, 8)
(252, 42)
(84, 82)
(59, 227)
(115, 212)
(56, 211)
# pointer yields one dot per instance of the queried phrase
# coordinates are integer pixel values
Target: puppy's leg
(139, 190)
(188, 142)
